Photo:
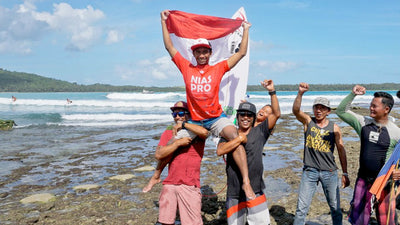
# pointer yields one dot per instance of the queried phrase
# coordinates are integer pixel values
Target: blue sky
(119, 42)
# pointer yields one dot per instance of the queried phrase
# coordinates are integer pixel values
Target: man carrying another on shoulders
(181, 188)
(240, 209)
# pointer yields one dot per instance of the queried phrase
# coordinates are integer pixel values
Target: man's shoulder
(393, 129)
(262, 127)
(178, 58)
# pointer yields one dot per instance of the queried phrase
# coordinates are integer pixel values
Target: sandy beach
(119, 200)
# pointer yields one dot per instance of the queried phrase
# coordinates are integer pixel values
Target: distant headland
(27, 82)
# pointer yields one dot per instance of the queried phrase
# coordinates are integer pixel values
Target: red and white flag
(225, 36)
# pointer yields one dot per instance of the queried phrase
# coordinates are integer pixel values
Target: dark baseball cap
(180, 105)
(247, 106)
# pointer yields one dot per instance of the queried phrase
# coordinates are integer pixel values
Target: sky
(119, 42)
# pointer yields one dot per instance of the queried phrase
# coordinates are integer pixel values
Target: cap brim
(245, 110)
(173, 108)
(200, 45)
(322, 105)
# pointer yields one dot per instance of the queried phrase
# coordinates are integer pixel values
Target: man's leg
(155, 179)
(329, 181)
(257, 211)
(236, 211)
(386, 208)
(168, 204)
(308, 185)
(189, 204)
(240, 157)
(361, 203)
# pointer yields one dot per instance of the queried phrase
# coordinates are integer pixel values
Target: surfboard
(234, 84)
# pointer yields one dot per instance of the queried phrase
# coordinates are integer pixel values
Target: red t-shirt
(184, 167)
(202, 87)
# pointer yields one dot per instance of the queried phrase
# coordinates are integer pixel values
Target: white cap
(201, 42)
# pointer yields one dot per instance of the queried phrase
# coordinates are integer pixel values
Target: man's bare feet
(248, 190)
(153, 181)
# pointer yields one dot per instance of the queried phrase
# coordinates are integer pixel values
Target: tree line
(27, 82)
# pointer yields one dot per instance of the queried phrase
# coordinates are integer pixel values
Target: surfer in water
(254, 131)
(202, 86)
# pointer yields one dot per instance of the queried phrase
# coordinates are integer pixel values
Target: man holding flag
(202, 81)
(378, 136)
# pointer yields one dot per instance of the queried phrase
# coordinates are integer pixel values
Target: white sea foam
(121, 109)
(146, 96)
(116, 117)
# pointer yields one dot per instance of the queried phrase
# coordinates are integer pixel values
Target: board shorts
(214, 125)
(254, 211)
(186, 198)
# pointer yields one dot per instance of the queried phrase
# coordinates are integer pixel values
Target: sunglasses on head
(244, 113)
(180, 114)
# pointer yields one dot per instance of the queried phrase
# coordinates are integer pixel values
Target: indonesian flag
(385, 173)
(225, 36)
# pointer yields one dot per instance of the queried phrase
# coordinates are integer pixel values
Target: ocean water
(105, 110)
(126, 126)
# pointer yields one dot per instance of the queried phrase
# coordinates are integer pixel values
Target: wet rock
(3, 195)
(144, 169)
(86, 187)
(122, 177)
(279, 214)
(41, 198)
(32, 217)
(47, 206)
(209, 200)
(271, 148)
(101, 220)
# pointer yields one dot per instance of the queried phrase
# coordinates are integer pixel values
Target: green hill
(27, 82)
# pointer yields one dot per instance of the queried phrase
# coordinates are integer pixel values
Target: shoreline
(122, 202)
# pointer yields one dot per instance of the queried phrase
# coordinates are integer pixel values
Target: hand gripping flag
(385, 173)
(225, 36)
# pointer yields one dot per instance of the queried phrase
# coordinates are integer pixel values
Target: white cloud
(261, 46)
(279, 66)
(78, 24)
(144, 62)
(114, 36)
(22, 25)
(164, 63)
(19, 47)
(159, 75)
(148, 71)
(18, 30)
